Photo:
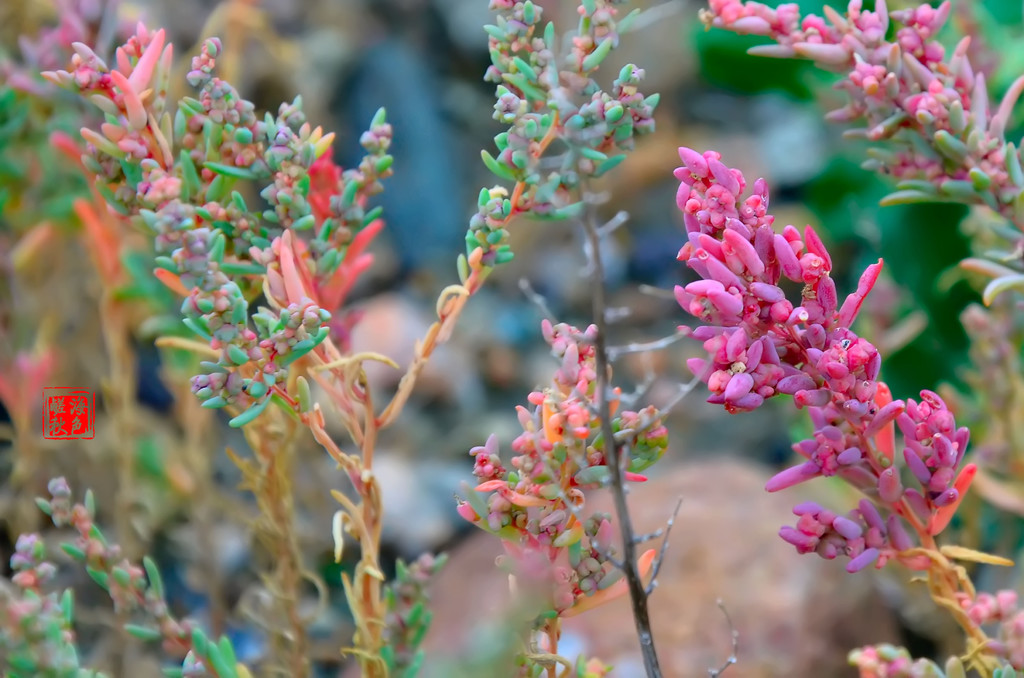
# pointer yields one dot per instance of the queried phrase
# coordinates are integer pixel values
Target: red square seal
(68, 413)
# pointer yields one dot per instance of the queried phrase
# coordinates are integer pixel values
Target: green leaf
(143, 632)
(497, 168)
(250, 414)
(594, 59)
(156, 582)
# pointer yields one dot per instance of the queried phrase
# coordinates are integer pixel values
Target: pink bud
(917, 466)
(847, 528)
(743, 251)
(890, 489)
(788, 261)
(804, 543)
(739, 386)
(724, 176)
(793, 476)
(816, 246)
(467, 512)
(863, 560)
(736, 345)
(813, 398)
(793, 383)
(694, 161)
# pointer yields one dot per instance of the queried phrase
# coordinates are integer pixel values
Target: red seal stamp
(68, 413)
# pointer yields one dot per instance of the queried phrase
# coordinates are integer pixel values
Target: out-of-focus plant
(177, 174)
(38, 637)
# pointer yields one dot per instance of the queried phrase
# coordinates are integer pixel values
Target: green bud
(503, 255)
(166, 263)
(121, 576)
(529, 12)
(950, 146)
(614, 113)
(979, 179)
(257, 389)
(237, 355)
(217, 249)
(304, 395)
(495, 32)
(304, 223)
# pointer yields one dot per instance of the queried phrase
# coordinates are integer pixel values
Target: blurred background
(423, 60)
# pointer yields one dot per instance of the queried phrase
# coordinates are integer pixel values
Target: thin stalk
(637, 594)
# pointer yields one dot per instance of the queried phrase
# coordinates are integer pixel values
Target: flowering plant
(263, 238)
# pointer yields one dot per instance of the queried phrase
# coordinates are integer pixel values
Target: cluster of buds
(535, 504)
(905, 91)
(36, 634)
(759, 345)
(178, 174)
(408, 618)
(1000, 609)
(542, 100)
(137, 591)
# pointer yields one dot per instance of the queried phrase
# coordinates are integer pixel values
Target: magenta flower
(759, 344)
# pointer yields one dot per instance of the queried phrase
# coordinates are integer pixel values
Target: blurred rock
(420, 512)
(796, 615)
(391, 325)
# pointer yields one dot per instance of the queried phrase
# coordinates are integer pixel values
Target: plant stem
(637, 594)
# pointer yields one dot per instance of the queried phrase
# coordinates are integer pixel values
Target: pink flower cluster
(759, 344)
(1000, 608)
(905, 90)
(535, 505)
(862, 535)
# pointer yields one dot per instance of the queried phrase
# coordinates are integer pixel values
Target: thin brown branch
(637, 594)
(660, 560)
(731, 659)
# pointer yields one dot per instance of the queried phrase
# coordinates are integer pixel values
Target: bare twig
(537, 299)
(615, 352)
(637, 595)
(731, 659)
(656, 14)
(657, 292)
(664, 547)
(613, 224)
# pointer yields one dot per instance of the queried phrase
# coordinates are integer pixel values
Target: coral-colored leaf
(941, 518)
(885, 440)
(293, 287)
(171, 280)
